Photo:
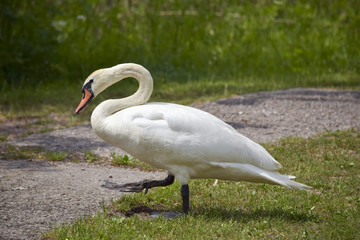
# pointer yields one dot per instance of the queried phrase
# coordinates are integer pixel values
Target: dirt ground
(37, 195)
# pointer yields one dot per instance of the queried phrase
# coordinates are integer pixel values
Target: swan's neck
(115, 74)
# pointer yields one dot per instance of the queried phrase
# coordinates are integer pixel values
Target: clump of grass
(75, 160)
(129, 161)
(31, 152)
(55, 156)
(90, 157)
(34, 152)
(231, 210)
(13, 152)
(122, 160)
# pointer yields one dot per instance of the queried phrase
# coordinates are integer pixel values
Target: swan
(187, 142)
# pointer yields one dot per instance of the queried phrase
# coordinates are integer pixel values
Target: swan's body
(187, 142)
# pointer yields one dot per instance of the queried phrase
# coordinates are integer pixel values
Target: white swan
(187, 142)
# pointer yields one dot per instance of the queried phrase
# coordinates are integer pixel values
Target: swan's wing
(172, 116)
(192, 131)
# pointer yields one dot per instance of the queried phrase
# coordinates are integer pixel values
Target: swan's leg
(185, 198)
(140, 186)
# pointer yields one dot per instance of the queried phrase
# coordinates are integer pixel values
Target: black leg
(139, 186)
(185, 198)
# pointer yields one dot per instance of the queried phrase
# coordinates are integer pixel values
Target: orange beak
(87, 97)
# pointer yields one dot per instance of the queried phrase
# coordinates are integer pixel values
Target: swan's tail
(251, 173)
(284, 180)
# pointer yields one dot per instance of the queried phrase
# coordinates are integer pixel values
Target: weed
(90, 157)
(13, 152)
(55, 156)
(129, 161)
(3, 138)
(75, 160)
(122, 160)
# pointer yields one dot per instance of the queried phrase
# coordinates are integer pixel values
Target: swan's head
(93, 85)
(101, 79)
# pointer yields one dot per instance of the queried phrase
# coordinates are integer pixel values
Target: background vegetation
(194, 49)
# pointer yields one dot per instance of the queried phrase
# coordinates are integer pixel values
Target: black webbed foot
(139, 186)
(127, 187)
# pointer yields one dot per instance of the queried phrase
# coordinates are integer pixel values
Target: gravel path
(269, 116)
(37, 195)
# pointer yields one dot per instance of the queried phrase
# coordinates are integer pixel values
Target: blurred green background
(195, 50)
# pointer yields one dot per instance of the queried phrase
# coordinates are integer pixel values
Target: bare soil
(37, 195)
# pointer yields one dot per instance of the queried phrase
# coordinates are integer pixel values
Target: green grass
(11, 152)
(213, 89)
(55, 156)
(122, 160)
(91, 157)
(128, 161)
(30, 152)
(231, 210)
(63, 100)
